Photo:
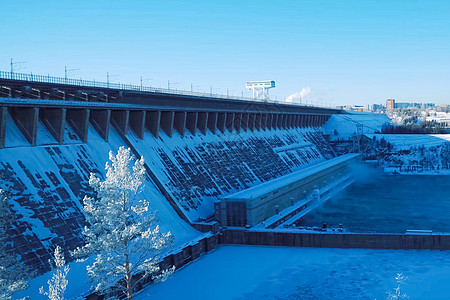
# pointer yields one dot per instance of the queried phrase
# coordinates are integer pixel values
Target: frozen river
(388, 204)
(250, 272)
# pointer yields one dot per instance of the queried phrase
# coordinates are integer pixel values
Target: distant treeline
(424, 128)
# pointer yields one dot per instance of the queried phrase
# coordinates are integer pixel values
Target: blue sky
(346, 52)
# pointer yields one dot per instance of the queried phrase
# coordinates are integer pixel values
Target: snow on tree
(397, 293)
(58, 283)
(124, 234)
(12, 273)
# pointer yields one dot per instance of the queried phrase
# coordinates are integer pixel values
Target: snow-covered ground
(413, 154)
(79, 285)
(406, 141)
(257, 272)
(438, 116)
(343, 126)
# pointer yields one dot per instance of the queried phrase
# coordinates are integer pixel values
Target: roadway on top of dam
(47, 103)
(37, 91)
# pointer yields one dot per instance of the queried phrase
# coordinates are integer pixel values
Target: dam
(219, 170)
(54, 133)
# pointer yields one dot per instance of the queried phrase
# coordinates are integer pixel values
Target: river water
(388, 204)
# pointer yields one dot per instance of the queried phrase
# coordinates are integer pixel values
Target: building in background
(375, 107)
(358, 108)
(390, 103)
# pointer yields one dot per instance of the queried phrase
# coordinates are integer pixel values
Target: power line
(145, 80)
(17, 65)
(68, 72)
(110, 78)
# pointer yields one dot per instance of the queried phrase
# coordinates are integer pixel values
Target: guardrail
(128, 87)
(118, 86)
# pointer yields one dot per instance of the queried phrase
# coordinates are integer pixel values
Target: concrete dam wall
(198, 169)
(46, 183)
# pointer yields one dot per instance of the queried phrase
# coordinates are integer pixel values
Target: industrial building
(258, 203)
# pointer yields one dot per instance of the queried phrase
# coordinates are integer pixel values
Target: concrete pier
(244, 122)
(137, 122)
(153, 122)
(280, 121)
(221, 122)
(237, 122)
(229, 122)
(3, 116)
(100, 120)
(191, 122)
(78, 119)
(54, 120)
(180, 122)
(27, 120)
(167, 120)
(202, 122)
(212, 122)
(120, 119)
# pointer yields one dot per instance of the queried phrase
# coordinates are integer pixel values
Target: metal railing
(127, 87)
(108, 85)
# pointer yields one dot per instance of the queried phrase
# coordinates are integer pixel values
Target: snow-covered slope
(415, 154)
(406, 141)
(46, 185)
(197, 169)
(343, 126)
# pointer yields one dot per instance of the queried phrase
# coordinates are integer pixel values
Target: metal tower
(260, 89)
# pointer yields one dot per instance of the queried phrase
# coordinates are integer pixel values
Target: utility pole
(171, 84)
(144, 80)
(109, 78)
(68, 72)
(213, 90)
(194, 87)
(16, 65)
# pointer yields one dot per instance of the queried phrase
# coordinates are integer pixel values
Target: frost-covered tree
(397, 293)
(123, 233)
(58, 283)
(12, 273)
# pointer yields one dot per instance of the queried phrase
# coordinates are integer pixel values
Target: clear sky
(346, 52)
